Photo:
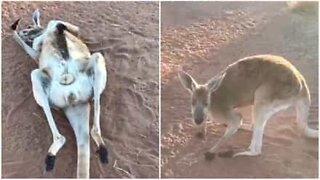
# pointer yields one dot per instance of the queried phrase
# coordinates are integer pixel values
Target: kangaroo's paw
(103, 153)
(247, 153)
(50, 159)
(209, 156)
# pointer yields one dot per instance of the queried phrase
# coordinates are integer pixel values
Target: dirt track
(127, 33)
(203, 38)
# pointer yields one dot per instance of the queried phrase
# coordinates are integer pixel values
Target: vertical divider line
(159, 29)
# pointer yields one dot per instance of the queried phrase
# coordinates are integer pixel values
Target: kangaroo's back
(246, 75)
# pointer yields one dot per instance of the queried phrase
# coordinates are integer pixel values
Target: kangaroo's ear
(187, 81)
(215, 82)
(36, 18)
(15, 24)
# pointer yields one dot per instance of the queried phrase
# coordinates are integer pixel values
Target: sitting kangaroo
(269, 83)
(68, 78)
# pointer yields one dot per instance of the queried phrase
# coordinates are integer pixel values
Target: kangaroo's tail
(302, 108)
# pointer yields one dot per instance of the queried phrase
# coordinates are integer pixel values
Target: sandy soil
(127, 33)
(203, 38)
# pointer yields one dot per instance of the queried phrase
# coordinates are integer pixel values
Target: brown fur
(269, 83)
(246, 75)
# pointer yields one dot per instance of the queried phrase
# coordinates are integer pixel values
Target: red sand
(128, 34)
(203, 38)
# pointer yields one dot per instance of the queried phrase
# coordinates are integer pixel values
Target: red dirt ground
(127, 33)
(203, 38)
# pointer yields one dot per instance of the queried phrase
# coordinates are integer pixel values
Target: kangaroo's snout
(198, 121)
(198, 115)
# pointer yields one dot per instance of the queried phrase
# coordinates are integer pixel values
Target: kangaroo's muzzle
(198, 115)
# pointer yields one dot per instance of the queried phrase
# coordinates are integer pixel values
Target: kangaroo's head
(32, 31)
(200, 94)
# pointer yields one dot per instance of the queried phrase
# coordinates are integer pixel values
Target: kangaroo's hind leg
(39, 84)
(98, 75)
(302, 108)
(263, 109)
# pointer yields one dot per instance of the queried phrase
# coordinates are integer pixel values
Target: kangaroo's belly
(80, 91)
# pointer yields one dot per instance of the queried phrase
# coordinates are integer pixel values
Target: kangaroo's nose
(198, 121)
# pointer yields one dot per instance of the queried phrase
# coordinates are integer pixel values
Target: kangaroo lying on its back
(68, 78)
(269, 83)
